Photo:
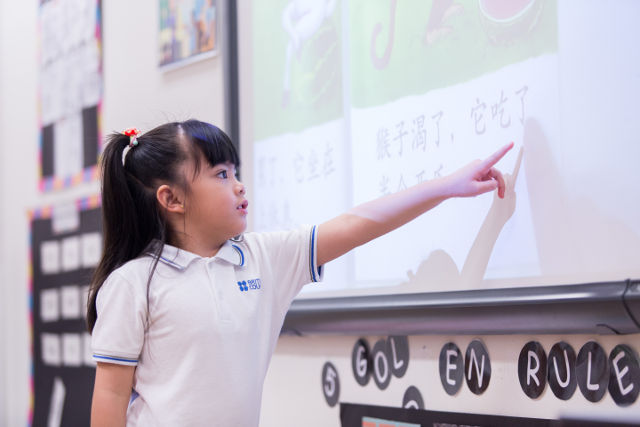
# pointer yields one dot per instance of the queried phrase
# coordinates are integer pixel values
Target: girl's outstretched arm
(377, 217)
(111, 394)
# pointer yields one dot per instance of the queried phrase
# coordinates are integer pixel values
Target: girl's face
(216, 207)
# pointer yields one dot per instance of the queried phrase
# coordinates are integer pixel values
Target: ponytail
(131, 218)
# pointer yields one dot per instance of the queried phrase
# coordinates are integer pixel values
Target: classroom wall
(2, 297)
(293, 392)
(136, 93)
(18, 177)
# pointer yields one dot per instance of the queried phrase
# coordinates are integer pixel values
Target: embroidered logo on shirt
(251, 284)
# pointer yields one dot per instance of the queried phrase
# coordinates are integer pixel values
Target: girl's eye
(223, 174)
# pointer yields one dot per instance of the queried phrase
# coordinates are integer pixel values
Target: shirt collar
(180, 259)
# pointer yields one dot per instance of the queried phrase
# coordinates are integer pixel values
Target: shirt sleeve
(292, 256)
(118, 333)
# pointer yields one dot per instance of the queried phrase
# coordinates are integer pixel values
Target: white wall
(18, 176)
(2, 297)
(136, 94)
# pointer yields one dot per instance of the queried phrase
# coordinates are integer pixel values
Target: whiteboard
(343, 102)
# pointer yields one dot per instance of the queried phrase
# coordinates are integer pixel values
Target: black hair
(132, 218)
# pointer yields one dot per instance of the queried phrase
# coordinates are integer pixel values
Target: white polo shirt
(202, 353)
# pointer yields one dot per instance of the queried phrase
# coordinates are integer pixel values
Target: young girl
(184, 309)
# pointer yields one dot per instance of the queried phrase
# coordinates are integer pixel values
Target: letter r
(531, 372)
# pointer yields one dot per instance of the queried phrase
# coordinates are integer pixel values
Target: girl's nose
(241, 189)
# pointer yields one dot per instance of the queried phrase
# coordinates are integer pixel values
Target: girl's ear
(169, 199)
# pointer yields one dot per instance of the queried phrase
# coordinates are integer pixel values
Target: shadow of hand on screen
(501, 210)
(440, 269)
(575, 239)
(548, 201)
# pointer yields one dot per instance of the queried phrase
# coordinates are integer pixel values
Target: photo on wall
(187, 32)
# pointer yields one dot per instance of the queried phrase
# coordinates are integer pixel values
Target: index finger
(495, 157)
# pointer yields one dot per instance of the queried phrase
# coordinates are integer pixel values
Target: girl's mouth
(243, 206)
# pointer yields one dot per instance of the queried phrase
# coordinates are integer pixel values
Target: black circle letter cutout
(361, 362)
(477, 367)
(532, 369)
(592, 371)
(381, 368)
(412, 399)
(398, 355)
(562, 370)
(330, 384)
(624, 375)
(451, 367)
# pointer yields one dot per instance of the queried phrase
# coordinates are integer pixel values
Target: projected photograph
(299, 142)
(302, 63)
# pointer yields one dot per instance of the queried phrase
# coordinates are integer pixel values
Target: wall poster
(188, 31)
(70, 92)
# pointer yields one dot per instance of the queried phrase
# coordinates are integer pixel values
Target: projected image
(403, 48)
(355, 100)
(312, 44)
(442, 89)
(298, 74)
(300, 147)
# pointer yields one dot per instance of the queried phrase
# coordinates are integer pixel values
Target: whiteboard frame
(592, 308)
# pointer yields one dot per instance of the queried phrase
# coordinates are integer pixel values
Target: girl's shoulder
(252, 237)
(255, 239)
(272, 241)
(135, 271)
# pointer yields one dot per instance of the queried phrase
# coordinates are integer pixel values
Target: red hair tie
(132, 133)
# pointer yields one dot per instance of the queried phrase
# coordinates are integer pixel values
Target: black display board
(66, 244)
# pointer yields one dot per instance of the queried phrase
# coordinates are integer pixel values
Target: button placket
(218, 274)
(210, 286)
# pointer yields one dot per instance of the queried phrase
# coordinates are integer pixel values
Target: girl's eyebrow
(223, 166)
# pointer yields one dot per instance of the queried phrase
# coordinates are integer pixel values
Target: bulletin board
(70, 92)
(65, 247)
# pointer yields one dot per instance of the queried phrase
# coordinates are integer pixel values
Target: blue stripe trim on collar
(239, 253)
(171, 263)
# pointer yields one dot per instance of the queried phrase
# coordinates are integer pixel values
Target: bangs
(210, 143)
